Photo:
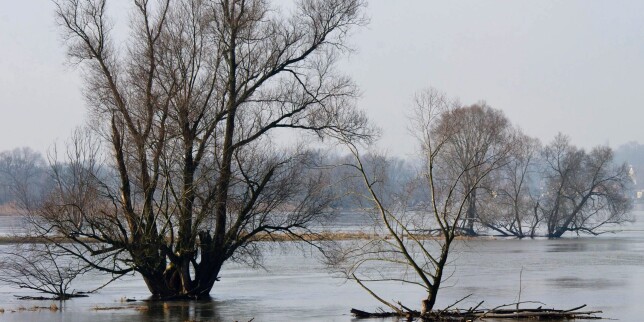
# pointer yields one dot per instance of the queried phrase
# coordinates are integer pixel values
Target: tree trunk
(174, 281)
(170, 286)
(471, 213)
(426, 306)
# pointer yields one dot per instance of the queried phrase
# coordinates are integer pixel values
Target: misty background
(551, 66)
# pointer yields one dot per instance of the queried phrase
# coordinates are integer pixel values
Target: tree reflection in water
(180, 311)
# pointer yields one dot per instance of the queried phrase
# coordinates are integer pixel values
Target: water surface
(605, 272)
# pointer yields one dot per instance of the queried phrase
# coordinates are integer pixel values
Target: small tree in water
(557, 189)
(417, 241)
(41, 267)
(583, 191)
(182, 175)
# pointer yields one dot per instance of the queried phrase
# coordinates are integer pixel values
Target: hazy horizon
(551, 66)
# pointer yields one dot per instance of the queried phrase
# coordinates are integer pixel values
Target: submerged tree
(184, 115)
(416, 240)
(474, 134)
(511, 206)
(553, 190)
(582, 191)
(41, 267)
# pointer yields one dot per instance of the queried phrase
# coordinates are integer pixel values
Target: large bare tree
(185, 111)
(475, 135)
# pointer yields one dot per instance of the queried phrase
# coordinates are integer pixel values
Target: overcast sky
(575, 67)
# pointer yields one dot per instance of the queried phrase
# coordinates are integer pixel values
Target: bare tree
(185, 114)
(42, 268)
(475, 135)
(510, 208)
(556, 189)
(22, 177)
(582, 191)
(413, 243)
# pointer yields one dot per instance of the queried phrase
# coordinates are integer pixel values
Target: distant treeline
(25, 175)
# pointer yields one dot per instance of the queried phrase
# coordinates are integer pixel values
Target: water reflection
(180, 311)
(587, 244)
(131, 312)
(582, 283)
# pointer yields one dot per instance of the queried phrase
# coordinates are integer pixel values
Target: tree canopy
(177, 172)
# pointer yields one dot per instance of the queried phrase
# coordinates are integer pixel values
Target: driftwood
(51, 298)
(498, 313)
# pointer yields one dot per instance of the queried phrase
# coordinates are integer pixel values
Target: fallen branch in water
(50, 298)
(496, 313)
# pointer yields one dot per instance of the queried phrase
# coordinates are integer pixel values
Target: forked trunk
(171, 285)
(428, 303)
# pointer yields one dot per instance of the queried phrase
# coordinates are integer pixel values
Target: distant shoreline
(9, 209)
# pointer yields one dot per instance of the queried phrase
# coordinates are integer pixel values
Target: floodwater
(604, 272)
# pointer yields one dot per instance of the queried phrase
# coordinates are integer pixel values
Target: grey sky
(570, 66)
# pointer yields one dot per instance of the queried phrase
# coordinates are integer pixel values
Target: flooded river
(605, 272)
